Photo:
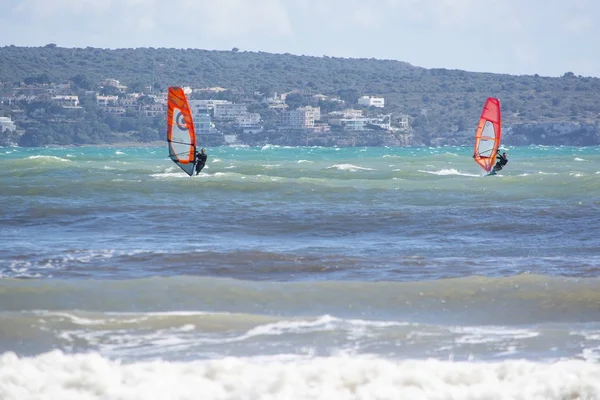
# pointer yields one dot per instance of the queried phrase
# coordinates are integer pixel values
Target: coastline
(125, 144)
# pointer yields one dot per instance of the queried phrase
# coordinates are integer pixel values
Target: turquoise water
(278, 262)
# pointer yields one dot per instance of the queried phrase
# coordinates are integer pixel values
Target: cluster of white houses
(208, 112)
(7, 124)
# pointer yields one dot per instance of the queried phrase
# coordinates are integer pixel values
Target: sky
(518, 37)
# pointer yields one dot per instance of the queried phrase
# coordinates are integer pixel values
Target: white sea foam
(271, 146)
(216, 161)
(478, 335)
(19, 269)
(547, 173)
(579, 159)
(118, 152)
(589, 352)
(323, 323)
(126, 180)
(444, 172)
(86, 256)
(79, 320)
(225, 174)
(49, 158)
(304, 161)
(119, 342)
(22, 269)
(56, 375)
(349, 167)
(170, 175)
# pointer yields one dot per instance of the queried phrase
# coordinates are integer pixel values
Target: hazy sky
(547, 37)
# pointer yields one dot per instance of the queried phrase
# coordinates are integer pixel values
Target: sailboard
(181, 135)
(488, 135)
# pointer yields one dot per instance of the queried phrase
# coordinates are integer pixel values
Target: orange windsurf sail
(488, 134)
(181, 135)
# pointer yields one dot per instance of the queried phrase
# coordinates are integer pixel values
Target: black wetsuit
(200, 162)
(502, 161)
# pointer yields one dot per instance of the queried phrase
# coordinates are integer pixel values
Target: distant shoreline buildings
(212, 115)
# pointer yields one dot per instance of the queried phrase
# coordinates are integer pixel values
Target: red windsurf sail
(488, 134)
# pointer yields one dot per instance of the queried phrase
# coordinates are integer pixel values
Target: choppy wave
(392, 264)
(180, 335)
(91, 376)
(444, 172)
(522, 299)
(349, 167)
(48, 158)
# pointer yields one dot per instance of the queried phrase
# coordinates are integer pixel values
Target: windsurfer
(200, 160)
(502, 161)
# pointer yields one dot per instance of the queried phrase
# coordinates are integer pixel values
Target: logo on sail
(180, 121)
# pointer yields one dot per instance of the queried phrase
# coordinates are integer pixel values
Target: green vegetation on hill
(438, 101)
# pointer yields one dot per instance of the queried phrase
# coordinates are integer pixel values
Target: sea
(299, 273)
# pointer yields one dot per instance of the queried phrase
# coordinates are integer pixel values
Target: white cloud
(579, 25)
(225, 18)
(133, 23)
(44, 9)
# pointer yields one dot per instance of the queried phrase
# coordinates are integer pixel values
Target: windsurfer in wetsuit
(200, 160)
(502, 160)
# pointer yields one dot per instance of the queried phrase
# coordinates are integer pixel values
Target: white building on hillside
(403, 123)
(114, 83)
(130, 100)
(229, 111)
(216, 89)
(249, 120)
(371, 101)
(153, 110)
(203, 124)
(105, 101)
(316, 112)
(351, 124)
(348, 113)
(68, 101)
(7, 124)
(301, 118)
(205, 104)
(250, 123)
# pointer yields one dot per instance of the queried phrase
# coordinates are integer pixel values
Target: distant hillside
(439, 101)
